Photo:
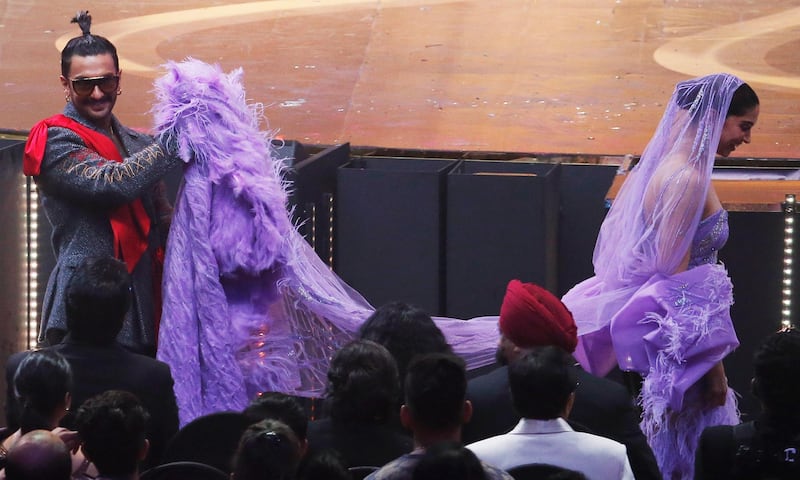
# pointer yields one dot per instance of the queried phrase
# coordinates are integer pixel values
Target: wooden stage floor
(547, 76)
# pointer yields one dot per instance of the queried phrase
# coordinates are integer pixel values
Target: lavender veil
(644, 310)
(248, 306)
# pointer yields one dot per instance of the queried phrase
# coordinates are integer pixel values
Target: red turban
(531, 316)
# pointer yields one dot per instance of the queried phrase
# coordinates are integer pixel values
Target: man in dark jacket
(533, 317)
(97, 299)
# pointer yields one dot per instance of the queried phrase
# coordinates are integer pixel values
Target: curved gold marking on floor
(138, 37)
(699, 54)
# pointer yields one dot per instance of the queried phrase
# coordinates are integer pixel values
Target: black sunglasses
(85, 86)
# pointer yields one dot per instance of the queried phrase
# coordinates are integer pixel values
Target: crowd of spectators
(399, 405)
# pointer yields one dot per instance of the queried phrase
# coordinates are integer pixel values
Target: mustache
(103, 99)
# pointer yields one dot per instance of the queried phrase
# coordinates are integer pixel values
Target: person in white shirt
(543, 385)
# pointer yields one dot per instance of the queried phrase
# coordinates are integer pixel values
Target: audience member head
(112, 426)
(39, 455)
(405, 330)
(283, 407)
(531, 316)
(449, 460)
(98, 297)
(777, 367)
(269, 450)
(327, 464)
(543, 383)
(435, 391)
(362, 383)
(86, 44)
(42, 386)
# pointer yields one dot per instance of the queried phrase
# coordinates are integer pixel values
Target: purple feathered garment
(248, 306)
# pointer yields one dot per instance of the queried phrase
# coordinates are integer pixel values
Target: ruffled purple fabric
(672, 332)
(248, 305)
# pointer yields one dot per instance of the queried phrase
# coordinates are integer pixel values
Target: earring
(119, 92)
(67, 99)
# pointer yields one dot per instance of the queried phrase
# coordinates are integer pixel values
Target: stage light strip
(329, 200)
(31, 267)
(789, 206)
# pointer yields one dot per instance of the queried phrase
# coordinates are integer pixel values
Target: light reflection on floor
(581, 76)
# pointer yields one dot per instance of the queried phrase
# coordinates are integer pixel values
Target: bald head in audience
(39, 455)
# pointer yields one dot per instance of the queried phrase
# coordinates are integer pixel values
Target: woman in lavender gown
(659, 303)
(248, 306)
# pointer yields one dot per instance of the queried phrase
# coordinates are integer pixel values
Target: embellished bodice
(711, 235)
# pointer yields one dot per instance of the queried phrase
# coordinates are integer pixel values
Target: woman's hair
(86, 45)
(744, 99)
(41, 383)
(268, 450)
(363, 383)
(689, 95)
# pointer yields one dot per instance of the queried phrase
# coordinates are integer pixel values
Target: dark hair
(98, 297)
(328, 464)
(449, 460)
(405, 330)
(362, 383)
(744, 99)
(435, 388)
(113, 428)
(776, 364)
(541, 382)
(41, 383)
(279, 406)
(86, 45)
(268, 449)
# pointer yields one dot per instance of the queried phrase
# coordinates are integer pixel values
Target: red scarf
(130, 222)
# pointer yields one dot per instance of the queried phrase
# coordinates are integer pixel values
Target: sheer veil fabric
(642, 310)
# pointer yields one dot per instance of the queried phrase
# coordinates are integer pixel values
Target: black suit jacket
(602, 407)
(96, 369)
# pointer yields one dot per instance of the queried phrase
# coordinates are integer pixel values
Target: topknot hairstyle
(84, 20)
(86, 45)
